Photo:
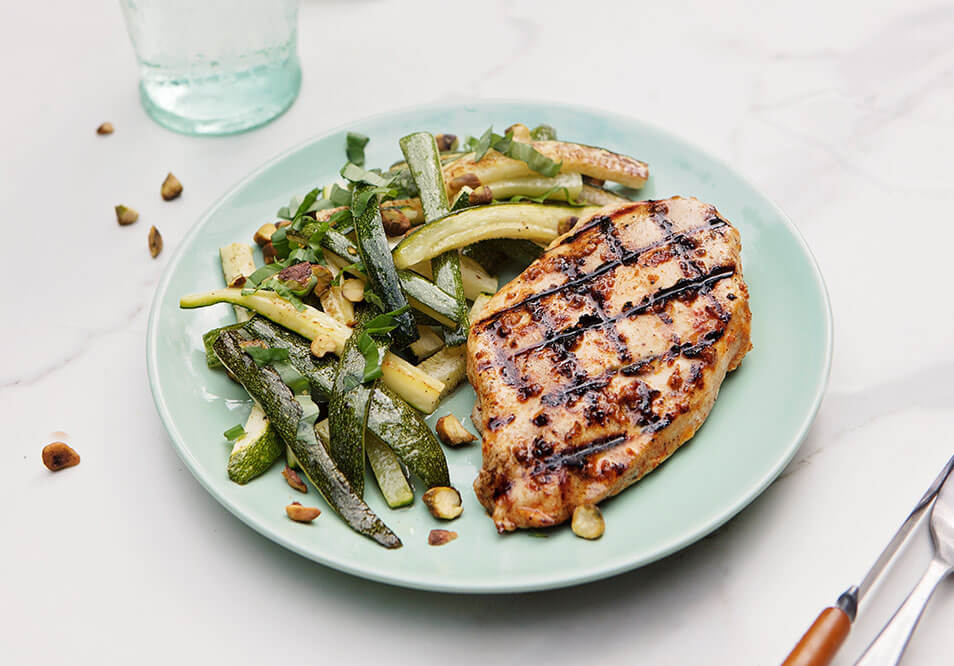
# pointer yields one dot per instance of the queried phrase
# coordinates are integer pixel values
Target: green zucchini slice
(379, 267)
(256, 450)
(294, 418)
(388, 473)
(530, 221)
(423, 159)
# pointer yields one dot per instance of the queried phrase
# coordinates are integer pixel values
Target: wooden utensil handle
(822, 640)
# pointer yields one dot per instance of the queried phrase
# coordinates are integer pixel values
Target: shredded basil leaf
(280, 242)
(357, 174)
(354, 147)
(524, 152)
(534, 158)
(373, 298)
(340, 196)
(234, 432)
(306, 203)
(261, 274)
(343, 216)
(286, 293)
(484, 143)
(373, 354)
(266, 355)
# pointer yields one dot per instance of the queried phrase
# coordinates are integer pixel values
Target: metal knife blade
(884, 559)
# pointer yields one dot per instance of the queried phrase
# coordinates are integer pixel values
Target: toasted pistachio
(440, 537)
(297, 277)
(588, 522)
(446, 142)
(268, 253)
(452, 431)
(293, 480)
(595, 182)
(302, 514)
(105, 128)
(443, 502)
(395, 222)
(323, 278)
(171, 187)
(353, 289)
(155, 242)
(126, 215)
(238, 281)
(59, 455)
(467, 179)
(322, 345)
(264, 234)
(520, 132)
(566, 224)
(282, 223)
(244, 344)
(482, 195)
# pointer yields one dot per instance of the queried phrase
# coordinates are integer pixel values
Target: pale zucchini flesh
(237, 260)
(411, 383)
(388, 473)
(427, 344)
(476, 280)
(449, 366)
(531, 221)
(309, 322)
(256, 450)
(560, 187)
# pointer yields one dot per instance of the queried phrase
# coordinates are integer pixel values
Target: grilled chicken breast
(604, 356)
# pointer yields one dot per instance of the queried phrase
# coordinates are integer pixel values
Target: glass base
(221, 105)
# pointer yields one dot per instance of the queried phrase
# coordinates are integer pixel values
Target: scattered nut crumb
(302, 514)
(353, 290)
(520, 132)
(323, 278)
(264, 234)
(446, 142)
(171, 187)
(238, 281)
(443, 502)
(155, 242)
(293, 480)
(467, 179)
(394, 221)
(282, 223)
(268, 253)
(59, 455)
(105, 128)
(452, 432)
(588, 522)
(126, 215)
(482, 195)
(322, 345)
(244, 344)
(440, 537)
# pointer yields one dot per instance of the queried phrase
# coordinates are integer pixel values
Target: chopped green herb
(524, 152)
(280, 242)
(286, 293)
(266, 355)
(340, 196)
(341, 218)
(547, 195)
(534, 158)
(357, 174)
(373, 354)
(354, 147)
(234, 432)
(373, 298)
(306, 203)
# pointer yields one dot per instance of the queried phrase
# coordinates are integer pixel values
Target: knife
(822, 640)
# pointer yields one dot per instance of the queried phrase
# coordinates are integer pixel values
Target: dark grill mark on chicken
(604, 356)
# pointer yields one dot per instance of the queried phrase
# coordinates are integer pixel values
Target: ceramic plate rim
(587, 574)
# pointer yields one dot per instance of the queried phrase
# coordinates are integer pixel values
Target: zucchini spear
(378, 265)
(294, 419)
(531, 221)
(390, 419)
(423, 159)
(406, 380)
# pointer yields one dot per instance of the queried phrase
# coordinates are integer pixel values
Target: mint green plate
(761, 416)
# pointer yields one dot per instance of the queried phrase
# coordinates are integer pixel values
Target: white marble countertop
(841, 112)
